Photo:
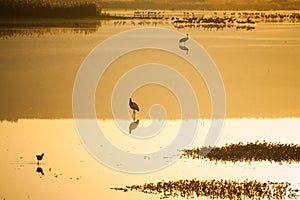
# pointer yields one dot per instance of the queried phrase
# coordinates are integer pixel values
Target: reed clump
(48, 9)
(257, 151)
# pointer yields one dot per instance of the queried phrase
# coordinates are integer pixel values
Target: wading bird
(183, 40)
(134, 108)
(39, 158)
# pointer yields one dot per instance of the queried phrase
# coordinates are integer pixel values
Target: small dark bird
(39, 157)
(134, 107)
(183, 40)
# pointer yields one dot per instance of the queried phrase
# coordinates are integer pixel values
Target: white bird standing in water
(183, 40)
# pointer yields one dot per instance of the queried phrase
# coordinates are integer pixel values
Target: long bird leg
(133, 115)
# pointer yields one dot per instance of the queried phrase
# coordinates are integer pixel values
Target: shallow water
(259, 69)
(71, 172)
(38, 68)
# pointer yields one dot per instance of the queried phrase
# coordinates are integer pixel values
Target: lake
(258, 69)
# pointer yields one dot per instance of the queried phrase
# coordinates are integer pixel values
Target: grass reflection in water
(221, 189)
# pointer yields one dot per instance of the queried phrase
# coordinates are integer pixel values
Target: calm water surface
(260, 70)
(71, 172)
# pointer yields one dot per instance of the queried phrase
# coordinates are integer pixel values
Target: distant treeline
(47, 9)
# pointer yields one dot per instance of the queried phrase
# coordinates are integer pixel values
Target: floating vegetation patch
(258, 151)
(221, 189)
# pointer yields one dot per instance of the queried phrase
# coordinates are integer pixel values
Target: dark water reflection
(133, 125)
(258, 151)
(36, 28)
(217, 189)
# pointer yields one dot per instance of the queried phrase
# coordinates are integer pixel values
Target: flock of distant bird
(209, 21)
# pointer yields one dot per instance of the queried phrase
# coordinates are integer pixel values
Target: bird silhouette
(133, 125)
(134, 108)
(39, 158)
(183, 40)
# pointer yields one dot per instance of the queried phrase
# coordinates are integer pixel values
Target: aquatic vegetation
(258, 151)
(48, 9)
(217, 189)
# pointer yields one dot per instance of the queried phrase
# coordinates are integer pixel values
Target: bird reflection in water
(184, 48)
(133, 125)
(40, 170)
(182, 44)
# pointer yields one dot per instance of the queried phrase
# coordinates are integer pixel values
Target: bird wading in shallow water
(183, 40)
(39, 158)
(134, 108)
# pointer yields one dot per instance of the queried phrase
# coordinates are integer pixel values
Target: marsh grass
(48, 9)
(258, 151)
